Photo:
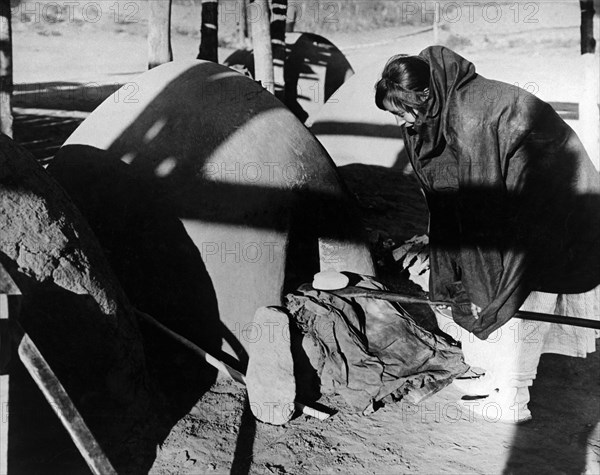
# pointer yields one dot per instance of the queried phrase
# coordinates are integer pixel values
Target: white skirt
(512, 352)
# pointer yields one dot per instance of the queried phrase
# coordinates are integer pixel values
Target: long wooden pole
(159, 33)
(5, 350)
(220, 365)
(278, 29)
(59, 400)
(278, 22)
(261, 41)
(354, 292)
(209, 31)
(243, 29)
(291, 18)
(589, 107)
(6, 71)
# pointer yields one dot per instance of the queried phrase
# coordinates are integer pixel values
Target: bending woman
(514, 204)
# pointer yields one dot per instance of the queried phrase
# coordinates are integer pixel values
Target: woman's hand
(475, 310)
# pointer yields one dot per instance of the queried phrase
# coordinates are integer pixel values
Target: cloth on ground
(370, 348)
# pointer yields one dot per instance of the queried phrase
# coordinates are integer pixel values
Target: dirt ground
(219, 435)
(437, 436)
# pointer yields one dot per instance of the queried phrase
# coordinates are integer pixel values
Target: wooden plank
(4, 385)
(59, 400)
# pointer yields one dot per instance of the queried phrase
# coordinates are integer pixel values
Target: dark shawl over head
(514, 199)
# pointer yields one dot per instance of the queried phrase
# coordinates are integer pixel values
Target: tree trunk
(261, 41)
(159, 33)
(209, 32)
(6, 75)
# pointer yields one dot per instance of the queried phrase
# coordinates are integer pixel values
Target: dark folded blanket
(369, 348)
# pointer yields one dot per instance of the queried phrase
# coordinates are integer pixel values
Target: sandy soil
(437, 436)
(219, 435)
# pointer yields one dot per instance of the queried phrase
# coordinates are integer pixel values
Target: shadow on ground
(68, 96)
(566, 409)
(43, 134)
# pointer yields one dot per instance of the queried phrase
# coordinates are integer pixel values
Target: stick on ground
(59, 400)
(220, 365)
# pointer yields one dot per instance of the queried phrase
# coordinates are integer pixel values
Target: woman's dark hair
(403, 83)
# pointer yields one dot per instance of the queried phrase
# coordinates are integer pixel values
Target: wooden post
(278, 20)
(436, 23)
(4, 383)
(588, 43)
(243, 30)
(209, 31)
(159, 33)
(589, 112)
(278, 25)
(9, 293)
(6, 73)
(261, 41)
(290, 24)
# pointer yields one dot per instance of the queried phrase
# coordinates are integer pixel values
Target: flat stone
(270, 377)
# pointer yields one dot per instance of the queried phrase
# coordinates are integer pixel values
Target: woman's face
(402, 116)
